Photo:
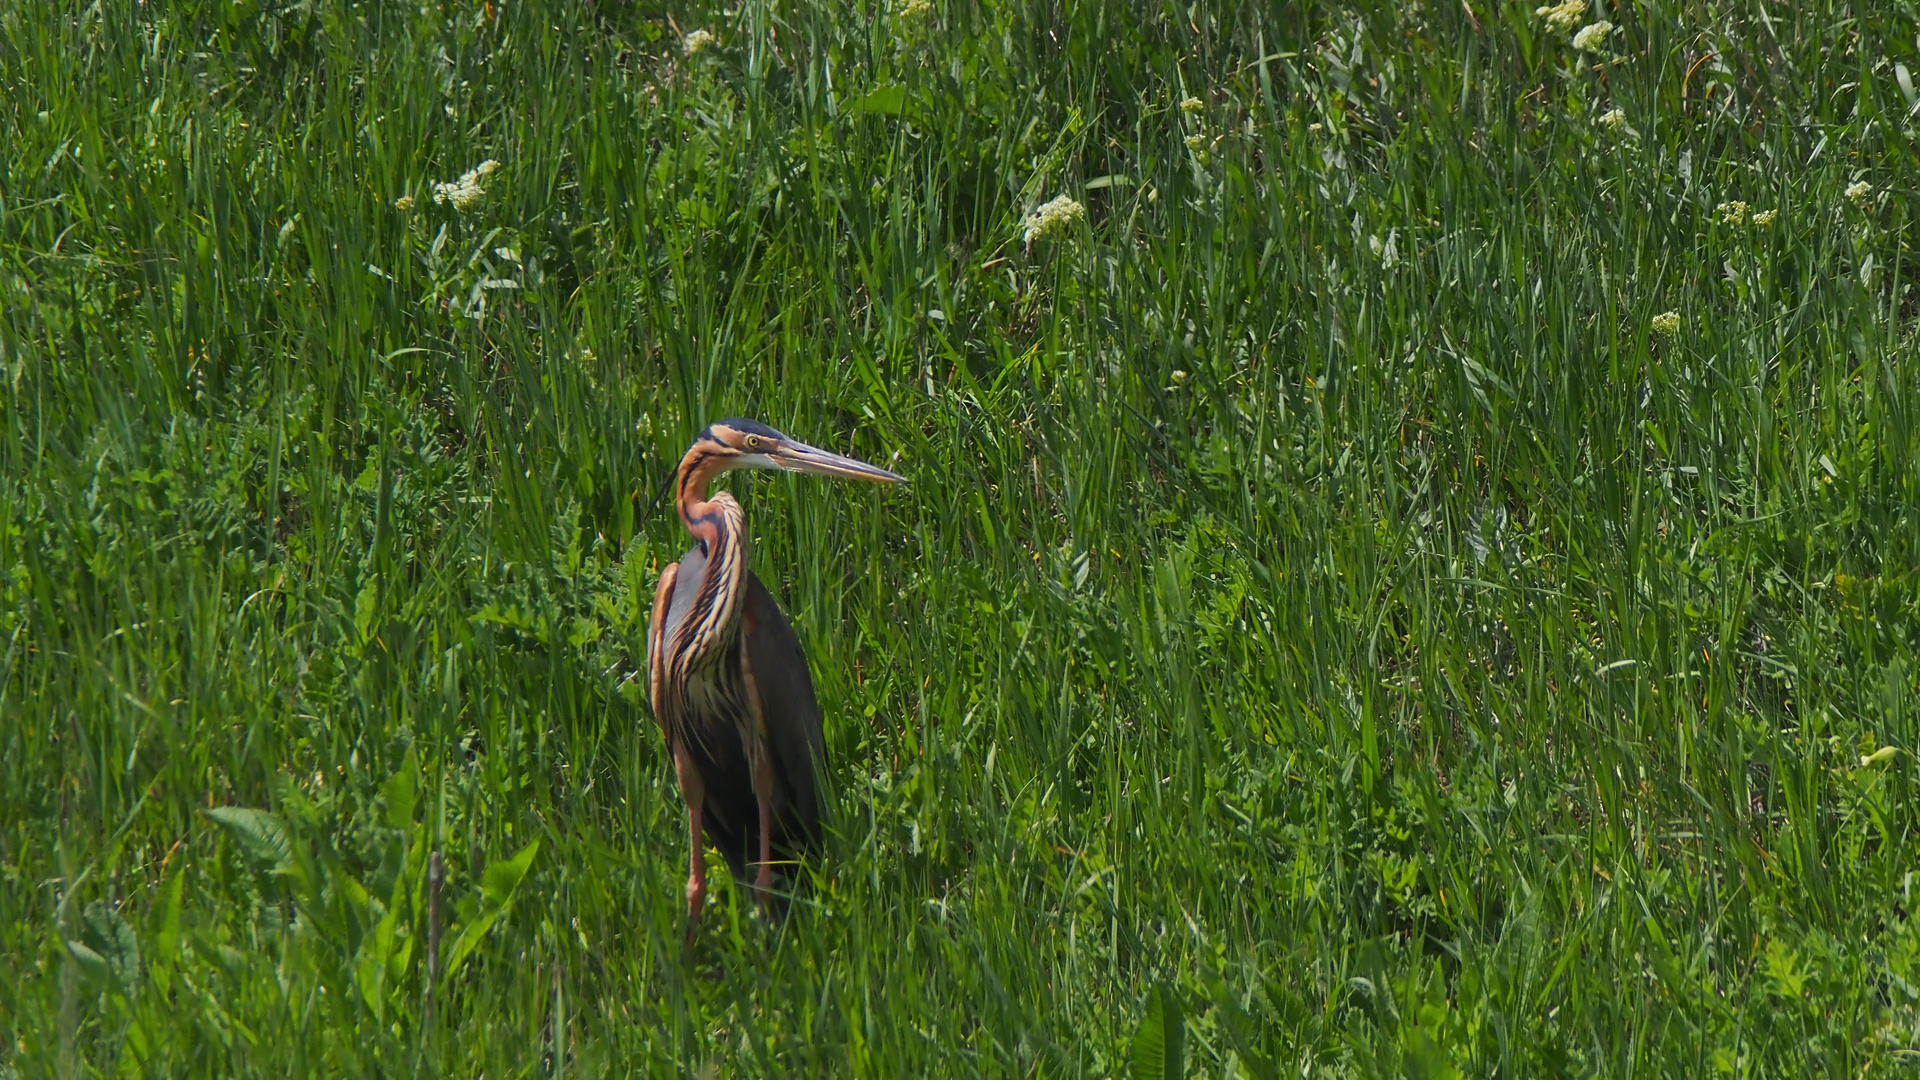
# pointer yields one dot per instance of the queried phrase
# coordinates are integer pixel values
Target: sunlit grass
(1406, 581)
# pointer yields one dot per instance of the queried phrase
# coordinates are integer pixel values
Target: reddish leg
(760, 761)
(693, 789)
(761, 764)
(764, 796)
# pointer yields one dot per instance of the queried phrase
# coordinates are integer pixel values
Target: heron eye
(753, 442)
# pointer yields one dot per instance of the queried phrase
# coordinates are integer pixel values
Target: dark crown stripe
(748, 427)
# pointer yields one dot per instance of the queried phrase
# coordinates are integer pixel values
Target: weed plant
(1420, 577)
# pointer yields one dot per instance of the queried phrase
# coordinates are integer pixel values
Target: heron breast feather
(712, 690)
(686, 587)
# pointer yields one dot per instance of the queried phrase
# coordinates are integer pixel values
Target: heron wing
(791, 712)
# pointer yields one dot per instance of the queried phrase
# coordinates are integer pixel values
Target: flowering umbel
(695, 41)
(1593, 36)
(1053, 217)
(1562, 16)
(466, 192)
(1666, 323)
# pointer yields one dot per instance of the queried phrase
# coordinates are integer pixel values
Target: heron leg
(693, 789)
(763, 796)
(760, 762)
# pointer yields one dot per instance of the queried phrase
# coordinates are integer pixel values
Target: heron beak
(799, 457)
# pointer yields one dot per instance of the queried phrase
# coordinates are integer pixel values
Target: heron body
(728, 680)
(723, 721)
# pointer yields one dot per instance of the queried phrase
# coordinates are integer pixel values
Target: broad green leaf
(169, 935)
(372, 967)
(889, 100)
(260, 834)
(1158, 1050)
(167, 939)
(1239, 1028)
(497, 886)
(366, 606)
(104, 947)
(398, 957)
(467, 940)
(92, 964)
(355, 892)
(400, 793)
(501, 878)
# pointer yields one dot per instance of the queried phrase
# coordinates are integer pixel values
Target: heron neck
(706, 521)
(698, 513)
(721, 527)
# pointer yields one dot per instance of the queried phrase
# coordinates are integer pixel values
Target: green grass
(1328, 621)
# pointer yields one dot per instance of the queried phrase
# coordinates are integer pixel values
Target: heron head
(749, 444)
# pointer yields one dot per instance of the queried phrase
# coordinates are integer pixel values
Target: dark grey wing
(792, 714)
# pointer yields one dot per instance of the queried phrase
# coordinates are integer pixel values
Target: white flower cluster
(696, 41)
(1193, 105)
(1615, 120)
(1737, 213)
(1859, 190)
(1562, 16)
(1591, 37)
(1666, 323)
(466, 192)
(1057, 216)
(916, 9)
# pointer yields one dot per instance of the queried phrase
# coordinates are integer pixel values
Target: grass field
(1420, 579)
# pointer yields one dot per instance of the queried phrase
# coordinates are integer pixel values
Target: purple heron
(727, 676)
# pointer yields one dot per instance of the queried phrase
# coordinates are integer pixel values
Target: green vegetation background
(1330, 631)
